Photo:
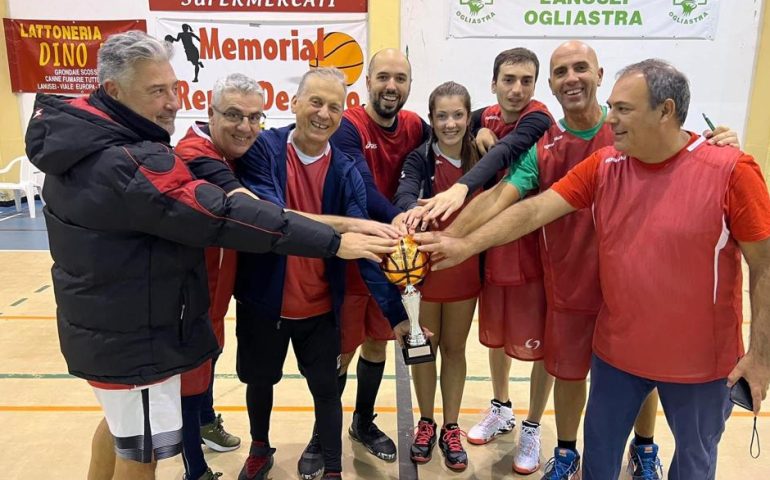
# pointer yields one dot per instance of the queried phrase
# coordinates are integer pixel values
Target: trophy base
(415, 354)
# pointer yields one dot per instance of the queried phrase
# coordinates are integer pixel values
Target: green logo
(688, 6)
(690, 13)
(475, 6)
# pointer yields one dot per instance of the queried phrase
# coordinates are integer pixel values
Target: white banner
(274, 54)
(584, 18)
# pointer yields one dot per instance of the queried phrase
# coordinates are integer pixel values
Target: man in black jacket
(127, 224)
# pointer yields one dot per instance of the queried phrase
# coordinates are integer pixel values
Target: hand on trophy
(406, 267)
(402, 329)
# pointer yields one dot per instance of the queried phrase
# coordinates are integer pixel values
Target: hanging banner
(285, 6)
(274, 54)
(584, 18)
(58, 56)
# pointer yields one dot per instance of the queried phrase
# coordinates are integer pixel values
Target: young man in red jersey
(679, 231)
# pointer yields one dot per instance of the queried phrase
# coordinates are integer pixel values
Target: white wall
(720, 71)
(136, 9)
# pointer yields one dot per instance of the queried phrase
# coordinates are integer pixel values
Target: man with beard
(378, 136)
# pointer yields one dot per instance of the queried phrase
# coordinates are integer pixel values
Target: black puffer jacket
(126, 224)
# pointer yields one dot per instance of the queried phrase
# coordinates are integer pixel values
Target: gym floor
(48, 416)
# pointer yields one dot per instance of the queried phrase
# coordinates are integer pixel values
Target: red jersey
(306, 291)
(462, 281)
(669, 260)
(220, 262)
(568, 245)
(386, 151)
(492, 117)
(517, 262)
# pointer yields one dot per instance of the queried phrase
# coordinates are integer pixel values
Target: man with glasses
(210, 150)
(236, 117)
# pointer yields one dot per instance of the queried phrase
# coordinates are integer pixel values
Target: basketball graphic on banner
(342, 51)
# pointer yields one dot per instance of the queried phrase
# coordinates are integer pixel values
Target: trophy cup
(406, 267)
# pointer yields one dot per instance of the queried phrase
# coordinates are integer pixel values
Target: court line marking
(407, 469)
(12, 216)
(290, 409)
(26, 250)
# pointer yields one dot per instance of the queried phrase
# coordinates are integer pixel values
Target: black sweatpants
(262, 347)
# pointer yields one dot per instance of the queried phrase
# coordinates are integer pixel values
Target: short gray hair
(235, 82)
(326, 72)
(118, 55)
(663, 82)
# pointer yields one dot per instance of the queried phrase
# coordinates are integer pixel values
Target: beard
(386, 113)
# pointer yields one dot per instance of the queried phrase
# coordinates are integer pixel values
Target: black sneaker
(424, 440)
(258, 463)
(207, 475)
(452, 447)
(364, 430)
(332, 476)
(311, 462)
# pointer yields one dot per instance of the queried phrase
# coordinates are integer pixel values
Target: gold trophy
(406, 267)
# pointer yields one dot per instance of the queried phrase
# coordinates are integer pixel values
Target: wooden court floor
(48, 417)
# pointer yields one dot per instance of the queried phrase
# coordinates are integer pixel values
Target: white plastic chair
(26, 184)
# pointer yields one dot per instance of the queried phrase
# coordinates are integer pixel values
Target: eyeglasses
(236, 117)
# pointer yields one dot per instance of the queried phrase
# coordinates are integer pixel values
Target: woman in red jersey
(449, 296)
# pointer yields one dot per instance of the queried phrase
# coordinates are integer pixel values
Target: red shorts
(196, 381)
(568, 342)
(513, 317)
(361, 318)
(461, 282)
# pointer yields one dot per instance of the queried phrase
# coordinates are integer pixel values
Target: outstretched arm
(483, 208)
(355, 225)
(513, 223)
(509, 150)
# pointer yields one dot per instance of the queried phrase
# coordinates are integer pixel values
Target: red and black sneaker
(424, 440)
(452, 447)
(332, 476)
(258, 463)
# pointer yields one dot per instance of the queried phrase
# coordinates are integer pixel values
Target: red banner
(286, 6)
(58, 56)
